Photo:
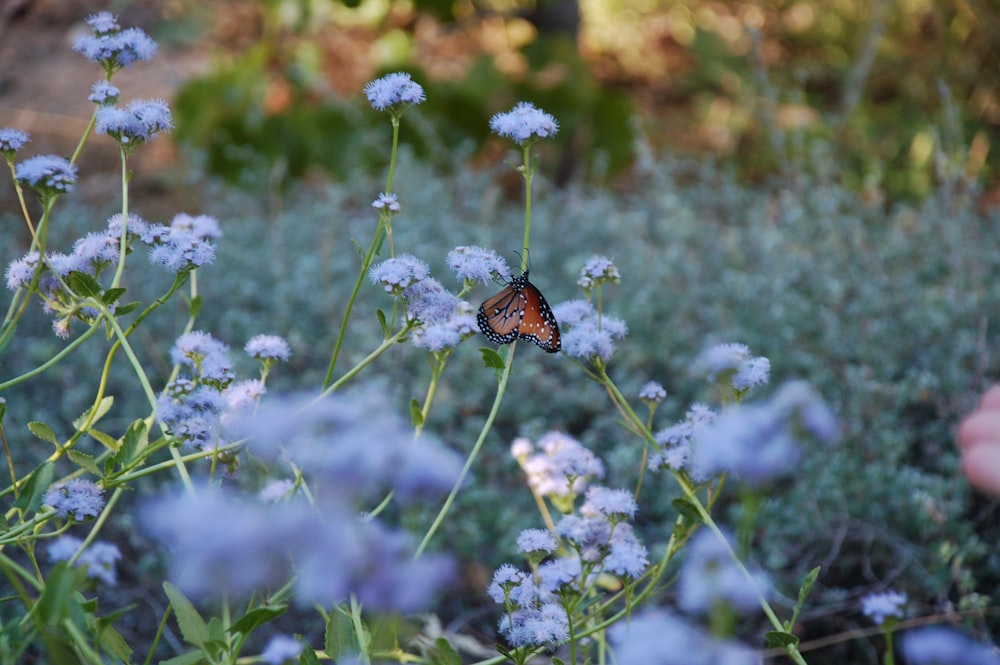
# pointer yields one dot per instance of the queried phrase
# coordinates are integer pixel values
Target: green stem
(529, 174)
(487, 426)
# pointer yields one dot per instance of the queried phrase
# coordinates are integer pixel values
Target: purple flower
(477, 264)
(735, 364)
(512, 586)
(47, 174)
(656, 637)
(524, 123)
(935, 645)
(351, 446)
(430, 303)
(759, 442)
(627, 557)
(588, 334)
(112, 47)
(281, 649)
(532, 541)
(709, 576)
(207, 356)
(398, 273)
(268, 347)
(546, 626)
(104, 93)
(676, 441)
(100, 557)
(77, 498)
(614, 504)
(390, 201)
(205, 227)
(652, 392)
(140, 121)
(394, 92)
(180, 251)
(224, 543)
(12, 140)
(21, 271)
(191, 414)
(276, 490)
(589, 536)
(562, 468)
(879, 606)
(241, 398)
(135, 227)
(447, 334)
(559, 573)
(598, 270)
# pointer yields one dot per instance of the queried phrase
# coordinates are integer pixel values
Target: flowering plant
(307, 501)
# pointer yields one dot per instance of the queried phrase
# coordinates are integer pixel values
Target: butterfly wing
(538, 323)
(519, 311)
(499, 316)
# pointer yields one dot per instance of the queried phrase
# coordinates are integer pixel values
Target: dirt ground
(44, 86)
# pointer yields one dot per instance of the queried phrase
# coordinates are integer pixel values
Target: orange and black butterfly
(519, 311)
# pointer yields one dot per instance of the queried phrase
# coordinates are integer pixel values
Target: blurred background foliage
(752, 81)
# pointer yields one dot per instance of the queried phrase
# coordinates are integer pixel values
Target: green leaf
(308, 657)
(86, 462)
(383, 324)
(84, 284)
(112, 295)
(195, 308)
(687, 509)
(32, 491)
(779, 639)
(492, 359)
(3, 331)
(60, 598)
(557, 661)
(113, 643)
(339, 634)
(416, 413)
(102, 409)
(807, 584)
(257, 617)
(189, 658)
(106, 440)
(193, 627)
(445, 655)
(135, 440)
(126, 309)
(43, 432)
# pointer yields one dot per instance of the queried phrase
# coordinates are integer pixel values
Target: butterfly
(519, 311)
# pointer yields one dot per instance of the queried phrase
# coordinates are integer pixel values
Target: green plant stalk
(98, 525)
(365, 264)
(80, 641)
(359, 631)
(367, 360)
(487, 426)
(159, 634)
(437, 369)
(528, 172)
(17, 308)
(123, 240)
(387, 220)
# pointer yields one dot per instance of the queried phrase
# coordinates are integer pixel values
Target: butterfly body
(519, 311)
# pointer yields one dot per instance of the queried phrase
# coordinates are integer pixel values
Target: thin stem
(487, 426)
(529, 174)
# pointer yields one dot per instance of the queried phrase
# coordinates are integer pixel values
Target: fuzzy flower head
(205, 227)
(137, 123)
(48, 175)
(447, 333)
(615, 505)
(733, 365)
(388, 202)
(936, 645)
(179, 251)
(561, 469)
(596, 271)
(77, 498)
(537, 543)
(676, 441)
(512, 587)
(477, 264)
(394, 93)
(759, 442)
(112, 47)
(652, 393)
(709, 576)
(674, 642)
(430, 303)
(100, 558)
(205, 355)
(588, 334)
(881, 606)
(524, 123)
(104, 94)
(268, 347)
(545, 626)
(21, 271)
(12, 140)
(398, 273)
(281, 649)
